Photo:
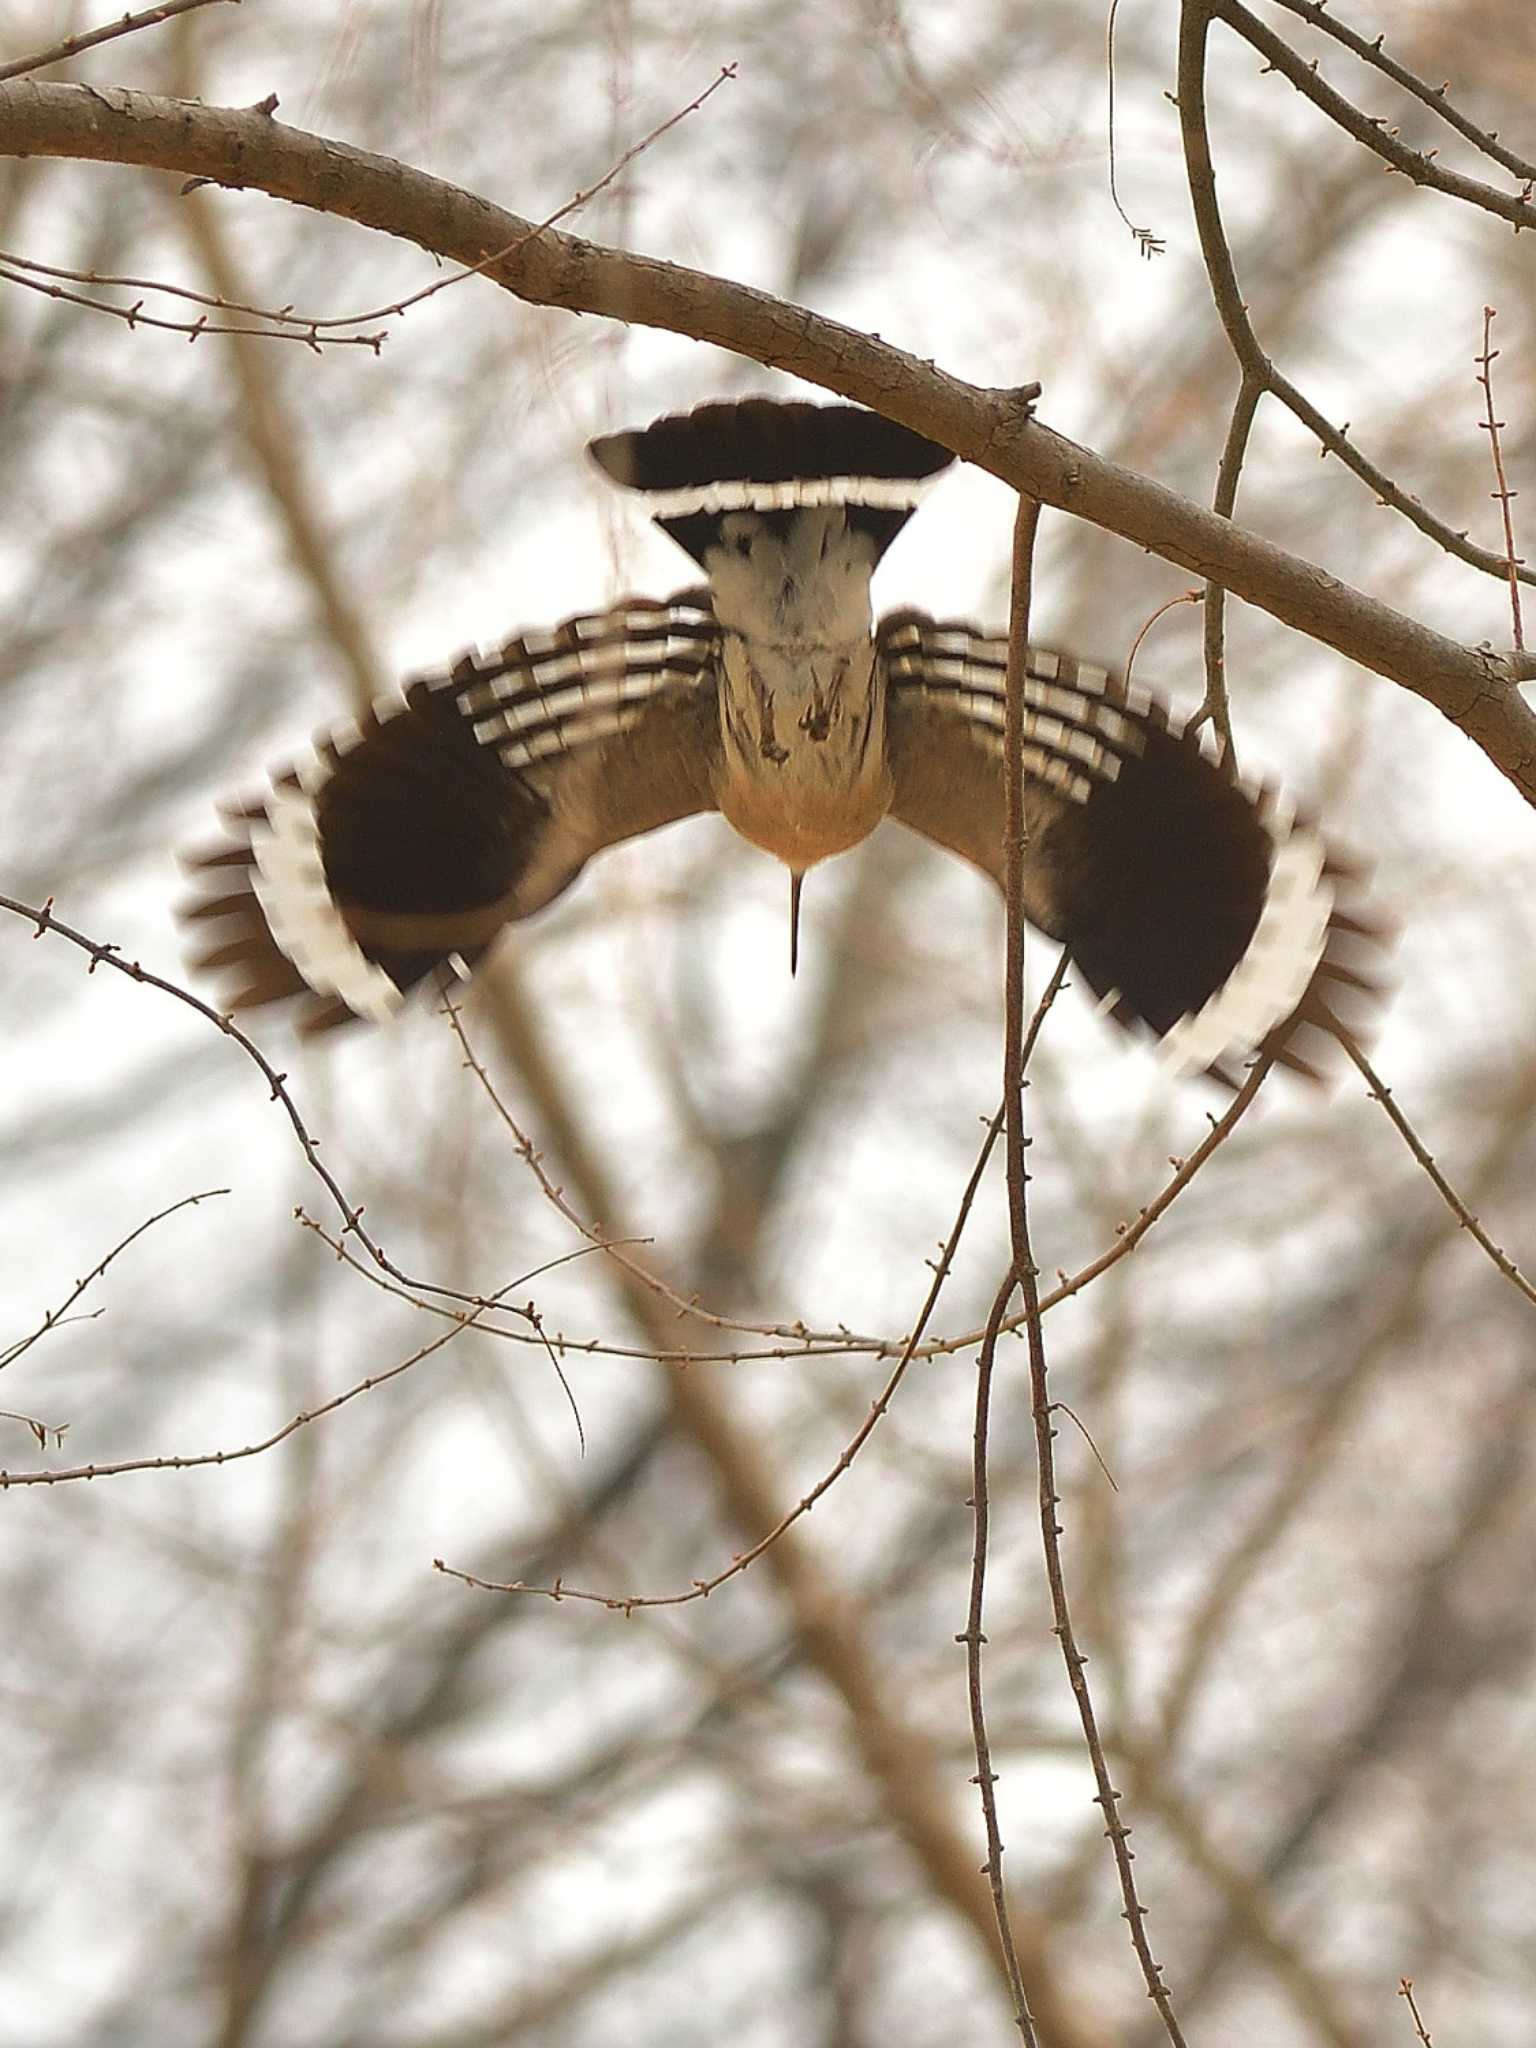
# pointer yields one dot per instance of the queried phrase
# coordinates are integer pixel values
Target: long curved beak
(796, 880)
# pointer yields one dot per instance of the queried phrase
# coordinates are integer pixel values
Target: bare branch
(908, 1776)
(42, 1432)
(597, 1238)
(1021, 1270)
(15, 270)
(71, 46)
(56, 1316)
(627, 1603)
(1503, 495)
(1214, 705)
(1259, 372)
(43, 921)
(1147, 244)
(1184, 1172)
(277, 315)
(1421, 2032)
(193, 1461)
(574, 204)
(1315, 13)
(1381, 1093)
(1419, 167)
(1025, 1276)
(1472, 686)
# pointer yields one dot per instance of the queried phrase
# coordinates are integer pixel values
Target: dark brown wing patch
(1194, 906)
(409, 839)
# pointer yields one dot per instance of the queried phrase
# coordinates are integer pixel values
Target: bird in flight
(1208, 912)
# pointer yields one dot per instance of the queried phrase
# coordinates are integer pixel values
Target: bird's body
(1208, 912)
(802, 723)
(802, 771)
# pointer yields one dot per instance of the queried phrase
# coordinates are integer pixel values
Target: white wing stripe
(524, 673)
(1076, 735)
(564, 739)
(735, 494)
(1072, 710)
(638, 621)
(1273, 975)
(1054, 769)
(289, 884)
(925, 667)
(557, 706)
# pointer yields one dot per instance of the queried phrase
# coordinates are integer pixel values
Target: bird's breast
(802, 770)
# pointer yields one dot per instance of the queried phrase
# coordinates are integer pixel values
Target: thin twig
(1231, 306)
(701, 1588)
(282, 323)
(831, 1345)
(1434, 97)
(1381, 1093)
(974, 1639)
(1504, 495)
(533, 1159)
(1184, 1172)
(1172, 604)
(41, 917)
(1418, 166)
(1214, 704)
(194, 1461)
(150, 17)
(572, 205)
(809, 1343)
(279, 315)
(1021, 1272)
(194, 330)
(1025, 1276)
(1147, 244)
(36, 1427)
(54, 1317)
(436, 1308)
(1405, 1990)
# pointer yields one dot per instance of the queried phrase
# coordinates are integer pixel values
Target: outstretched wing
(1208, 912)
(411, 836)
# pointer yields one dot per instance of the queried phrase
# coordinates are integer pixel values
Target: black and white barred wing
(410, 837)
(1210, 913)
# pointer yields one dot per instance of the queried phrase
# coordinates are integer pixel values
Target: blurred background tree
(270, 1780)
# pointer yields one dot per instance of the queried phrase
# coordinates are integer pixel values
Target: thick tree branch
(1473, 687)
